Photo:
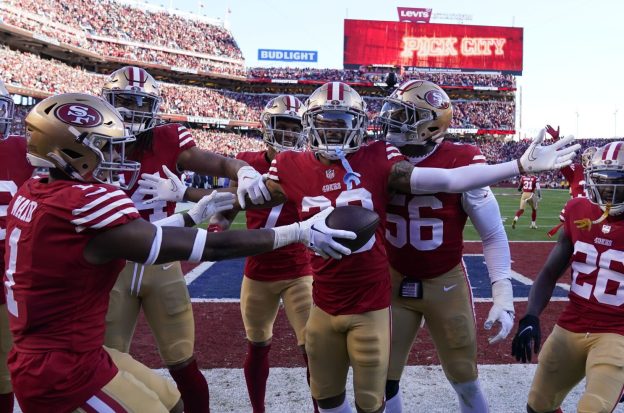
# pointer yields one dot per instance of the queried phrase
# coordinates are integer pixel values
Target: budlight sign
(288, 55)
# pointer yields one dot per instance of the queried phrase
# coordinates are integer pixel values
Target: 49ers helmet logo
(436, 99)
(78, 114)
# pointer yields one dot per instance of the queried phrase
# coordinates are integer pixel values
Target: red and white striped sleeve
(393, 152)
(273, 171)
(477, 157)
(103, 207)
(185, 139)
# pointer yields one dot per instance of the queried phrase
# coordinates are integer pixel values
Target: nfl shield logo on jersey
(330, 173)
(606, 229)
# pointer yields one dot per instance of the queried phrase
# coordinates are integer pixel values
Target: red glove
(552, 132)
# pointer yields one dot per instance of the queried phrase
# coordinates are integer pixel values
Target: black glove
(528, 330)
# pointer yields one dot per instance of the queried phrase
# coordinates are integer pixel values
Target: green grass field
(552, 202)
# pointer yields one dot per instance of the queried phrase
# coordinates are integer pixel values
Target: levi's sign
(288, 55)
(414, 15)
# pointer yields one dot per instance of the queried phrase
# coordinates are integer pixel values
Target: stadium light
(577, 123)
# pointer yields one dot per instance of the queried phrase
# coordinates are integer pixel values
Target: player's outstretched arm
(404, 177)
(143, 242)
(482, 208)
(528, 335)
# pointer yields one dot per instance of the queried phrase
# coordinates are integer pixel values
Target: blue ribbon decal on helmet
(351, 177)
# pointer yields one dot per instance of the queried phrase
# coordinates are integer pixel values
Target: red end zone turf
(220, 337)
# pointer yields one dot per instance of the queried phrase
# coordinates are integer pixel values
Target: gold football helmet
(281, 123)
(7, 109)
(136, 95)
(335, 119)
(604, 177)
(417, 111)
(82, 136)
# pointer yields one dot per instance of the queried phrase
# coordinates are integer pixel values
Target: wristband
(155, 249)
(198, 246)
(285, 235)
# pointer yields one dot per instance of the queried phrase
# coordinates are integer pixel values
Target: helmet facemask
(7, 112)
(605, 186)
(401, 122)
(332, 129)
(138, 109)
(283, 132)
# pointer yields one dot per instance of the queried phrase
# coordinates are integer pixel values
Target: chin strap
(586, 223)
(351, 177)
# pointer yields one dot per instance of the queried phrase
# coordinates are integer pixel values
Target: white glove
(539, 158)
(161, 189)
(250, 182)
(317, 236)
(502, 310)
(210, 205)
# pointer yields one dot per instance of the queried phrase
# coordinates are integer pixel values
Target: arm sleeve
(457, 180)
(482, 208)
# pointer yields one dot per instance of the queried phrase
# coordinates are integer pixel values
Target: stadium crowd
(108, 18)
(128, 33)
(370, 75)
(229, 143)
(31, 71)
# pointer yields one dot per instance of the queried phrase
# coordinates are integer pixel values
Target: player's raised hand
(162, 189)
(554, 133)
(539, 158)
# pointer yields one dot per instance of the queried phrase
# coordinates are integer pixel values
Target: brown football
(354, 218)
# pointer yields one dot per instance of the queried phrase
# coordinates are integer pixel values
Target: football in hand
(354, 218)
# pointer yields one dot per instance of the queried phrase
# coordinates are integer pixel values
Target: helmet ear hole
(71, 154)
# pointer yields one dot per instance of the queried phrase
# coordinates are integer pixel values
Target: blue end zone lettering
(480, 280)
(223, 280)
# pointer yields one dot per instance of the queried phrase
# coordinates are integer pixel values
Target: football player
(161, 289)
(427, 229)
(573, 173)
(284, 274)
(349, 324)
(530, 187)
(588, 339)
(14, 171)
(68, 237)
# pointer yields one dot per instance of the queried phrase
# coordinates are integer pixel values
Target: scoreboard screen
(442, 46)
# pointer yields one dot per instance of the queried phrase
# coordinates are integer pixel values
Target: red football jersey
(528, 183)
(288, 262)
(168, 142)
(57, 301)
(14, 171)
(424, 232)
(575, 175)
(359, 282)
(597, 287)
